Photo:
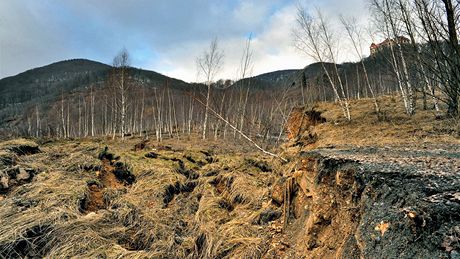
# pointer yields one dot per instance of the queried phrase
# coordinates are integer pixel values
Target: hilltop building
(387, 43)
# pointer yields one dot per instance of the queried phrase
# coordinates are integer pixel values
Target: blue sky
(164, 36)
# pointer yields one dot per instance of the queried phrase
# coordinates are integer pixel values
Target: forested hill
(45, 86)
(65, 76)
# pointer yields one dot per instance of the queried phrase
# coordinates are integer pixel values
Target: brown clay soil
(95, 199)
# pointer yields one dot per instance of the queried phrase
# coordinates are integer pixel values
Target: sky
(165, 36)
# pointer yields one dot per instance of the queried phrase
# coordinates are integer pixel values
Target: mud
(94, 200)
(111, 175)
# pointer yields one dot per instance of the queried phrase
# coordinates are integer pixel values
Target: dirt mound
(300, 126)
(94, 200)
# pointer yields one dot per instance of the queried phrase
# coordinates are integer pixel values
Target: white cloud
(165, 36)
(272, 50)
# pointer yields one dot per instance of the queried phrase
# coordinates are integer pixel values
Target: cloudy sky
(161, 35)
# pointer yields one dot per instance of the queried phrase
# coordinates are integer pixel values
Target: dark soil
(22, 150)
(373, 203)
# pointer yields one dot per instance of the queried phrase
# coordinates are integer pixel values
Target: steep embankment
(372, 187)
(371, 203)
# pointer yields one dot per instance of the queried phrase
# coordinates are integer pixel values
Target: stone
(23, 175)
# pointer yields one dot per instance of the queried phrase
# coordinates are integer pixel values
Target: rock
(4, 182)
(12, 172)
(268, 215)
(7, 159)
(277, 191)
(23, 175)
(19, 174)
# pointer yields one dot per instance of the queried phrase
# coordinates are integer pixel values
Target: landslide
(370, 203)
(337, 197)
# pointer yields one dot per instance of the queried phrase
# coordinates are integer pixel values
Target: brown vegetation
(369, 129)
(195, 199)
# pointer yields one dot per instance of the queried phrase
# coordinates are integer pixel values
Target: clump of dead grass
(392, 127)
(136, 223)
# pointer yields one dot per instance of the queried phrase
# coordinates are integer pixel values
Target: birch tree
(313, 37)
(356, 39)
(121, 65)
(246, 66)
(209, 64)
(387, 12)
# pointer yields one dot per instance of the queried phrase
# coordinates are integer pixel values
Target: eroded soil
(201, 201)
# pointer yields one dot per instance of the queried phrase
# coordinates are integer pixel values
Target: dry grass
(218, 218)
(396, 128)
(17, 142)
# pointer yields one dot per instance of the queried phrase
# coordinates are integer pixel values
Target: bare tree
(92, 110)
(37, 122)
(313, 37)
(121, 65)
(246, 67)
(409, 24)
(438, 28)
(210, 63)
(387, 13)
(356, 40)
(452, 13)
(64, 130)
